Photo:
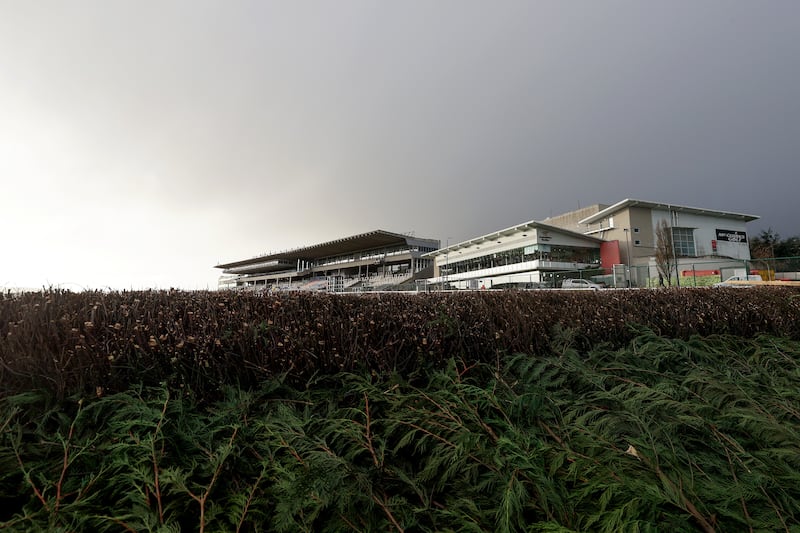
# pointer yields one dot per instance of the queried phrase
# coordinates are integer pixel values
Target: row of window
(683, 241)
(543, 252)
(682, 238)
(373, 254)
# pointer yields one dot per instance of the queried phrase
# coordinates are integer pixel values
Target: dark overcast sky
(141, 143)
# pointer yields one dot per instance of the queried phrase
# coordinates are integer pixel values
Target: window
(683, 239)
(636, 230)
(637, 242)
(544, 252)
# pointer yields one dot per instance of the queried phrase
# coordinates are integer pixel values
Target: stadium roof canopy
(489, 237)
(628, 203)
(365, 241)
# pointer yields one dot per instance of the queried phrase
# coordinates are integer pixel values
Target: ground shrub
(659, 434)
(202, 342)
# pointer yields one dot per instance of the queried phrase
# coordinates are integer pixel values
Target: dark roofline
(629, 202)
(362, 242)
(533, 224)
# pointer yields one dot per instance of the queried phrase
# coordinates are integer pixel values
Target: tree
(763, 246)
(790, 247)
(665, 253)
(768, 244)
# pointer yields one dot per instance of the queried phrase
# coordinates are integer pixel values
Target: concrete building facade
(696, 232)
(595, 241)
(525, 255)
(614, 244)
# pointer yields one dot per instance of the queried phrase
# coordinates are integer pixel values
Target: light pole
(628, 259)
(446, 264)
(673, 221)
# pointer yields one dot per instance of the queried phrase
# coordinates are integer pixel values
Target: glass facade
(543, 252)
(683, 240)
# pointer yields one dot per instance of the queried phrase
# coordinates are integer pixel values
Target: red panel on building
(689, 273)
(609, 255)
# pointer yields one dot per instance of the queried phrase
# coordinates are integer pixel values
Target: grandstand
(376, 260)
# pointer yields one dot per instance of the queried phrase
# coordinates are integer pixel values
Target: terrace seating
(390, 281)
(319, 284)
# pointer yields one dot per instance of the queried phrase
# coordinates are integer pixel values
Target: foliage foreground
(79, 343)
(659, 435)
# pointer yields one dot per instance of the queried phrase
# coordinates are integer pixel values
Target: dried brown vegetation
(100, 343)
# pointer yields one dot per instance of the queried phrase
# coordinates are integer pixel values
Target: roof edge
(533, 224)
(630, 202)
(283, 254)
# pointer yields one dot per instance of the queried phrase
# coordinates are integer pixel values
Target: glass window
(518, 255)
(683, 238)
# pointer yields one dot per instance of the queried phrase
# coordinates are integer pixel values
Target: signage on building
(731, 236)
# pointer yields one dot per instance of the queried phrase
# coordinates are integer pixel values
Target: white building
(696, 232)
(701, 237)
(595, 241)
(526, 255)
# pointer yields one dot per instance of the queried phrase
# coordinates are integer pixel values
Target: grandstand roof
(363, 241)
(533, 224)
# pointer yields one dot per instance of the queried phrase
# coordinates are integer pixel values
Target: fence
(690, 272)
(703, 273)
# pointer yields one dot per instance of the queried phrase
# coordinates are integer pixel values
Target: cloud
(143, 144)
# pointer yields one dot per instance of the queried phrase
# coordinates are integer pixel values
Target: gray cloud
(205, 131)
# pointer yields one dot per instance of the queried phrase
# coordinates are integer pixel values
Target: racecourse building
(376, 260)
(696, 232)
(613, 244)
(527, 255)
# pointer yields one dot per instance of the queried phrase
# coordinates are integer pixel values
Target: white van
(579, 284)
(739, 281)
